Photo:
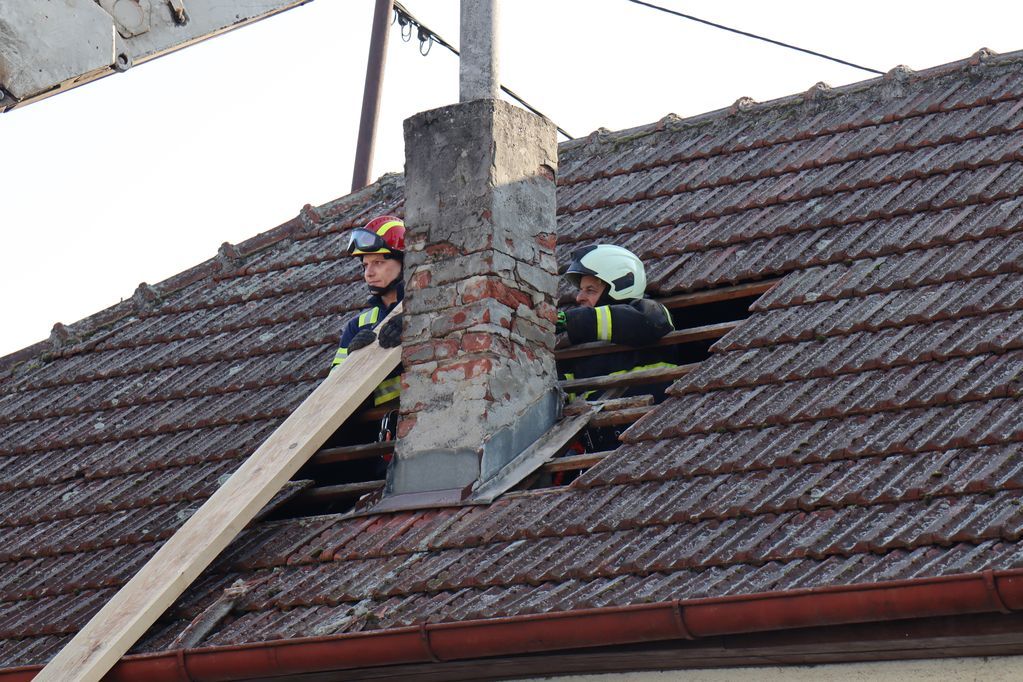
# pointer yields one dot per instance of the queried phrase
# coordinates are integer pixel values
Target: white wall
(1000, 669)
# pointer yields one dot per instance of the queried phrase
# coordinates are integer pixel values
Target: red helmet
(384, 234)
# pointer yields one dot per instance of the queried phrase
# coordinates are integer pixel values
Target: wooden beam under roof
(349, 453)
(574, 462)
(704, 333)
(746, 290)
(628, 379)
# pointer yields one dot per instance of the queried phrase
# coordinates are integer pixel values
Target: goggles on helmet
(364, 241)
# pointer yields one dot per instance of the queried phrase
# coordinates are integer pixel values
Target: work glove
(561, 326)
(362, 339)
(390, 333)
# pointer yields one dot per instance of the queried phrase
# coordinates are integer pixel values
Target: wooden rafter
(746, 290)
(349, 453)
(335, 493)
(704, 333)
(638, 378)
(574, 462)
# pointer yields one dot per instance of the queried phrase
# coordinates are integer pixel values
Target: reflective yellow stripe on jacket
(603, 313)
(638, 368)
(369, 317)
(388, 390)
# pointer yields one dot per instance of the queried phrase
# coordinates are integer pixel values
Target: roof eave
(985, 592)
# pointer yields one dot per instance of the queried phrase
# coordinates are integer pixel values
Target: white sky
(141, 175)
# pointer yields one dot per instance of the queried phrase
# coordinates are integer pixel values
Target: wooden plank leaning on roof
(118, 625)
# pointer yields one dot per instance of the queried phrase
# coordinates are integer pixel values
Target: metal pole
(477, 73)
(371, 93)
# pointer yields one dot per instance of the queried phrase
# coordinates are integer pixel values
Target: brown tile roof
(861, 426)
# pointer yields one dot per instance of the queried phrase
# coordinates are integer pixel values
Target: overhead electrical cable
(428, 36)
(754, 35)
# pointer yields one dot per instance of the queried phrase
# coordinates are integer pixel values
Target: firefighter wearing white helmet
(610, 306)
(611, 283)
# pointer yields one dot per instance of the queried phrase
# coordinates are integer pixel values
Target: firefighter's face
(590, 291)
(379, 271)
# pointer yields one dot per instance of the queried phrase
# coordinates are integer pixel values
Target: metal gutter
(988, 591)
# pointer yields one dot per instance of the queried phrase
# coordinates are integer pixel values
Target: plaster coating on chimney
(477, 65)
(481, 281)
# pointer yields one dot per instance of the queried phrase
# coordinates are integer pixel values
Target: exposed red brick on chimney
(481, 280)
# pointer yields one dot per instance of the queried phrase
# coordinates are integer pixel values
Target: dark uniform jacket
(638, 322)
(389, 388)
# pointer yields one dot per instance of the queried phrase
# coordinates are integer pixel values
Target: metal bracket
(53, 46)
(122, 62)
(131, 17)
(178, 11)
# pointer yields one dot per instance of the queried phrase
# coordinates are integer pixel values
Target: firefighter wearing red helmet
(381, 247)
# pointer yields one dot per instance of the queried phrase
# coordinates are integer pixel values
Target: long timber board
(125, 618)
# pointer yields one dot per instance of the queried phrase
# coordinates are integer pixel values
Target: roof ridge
(309, 217)
(602, 137)
(228, 257)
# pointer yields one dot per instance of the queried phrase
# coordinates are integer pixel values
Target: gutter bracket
(991, 583)
(424, 636)
(178, 11)
(182, 662)
(678, 611)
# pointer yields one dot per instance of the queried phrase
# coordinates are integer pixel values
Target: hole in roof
(349, 472)
(700, 319)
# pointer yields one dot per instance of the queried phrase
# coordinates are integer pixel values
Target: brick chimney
(481, 278)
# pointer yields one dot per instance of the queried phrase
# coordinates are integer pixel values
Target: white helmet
(619, 268)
